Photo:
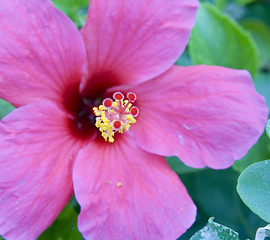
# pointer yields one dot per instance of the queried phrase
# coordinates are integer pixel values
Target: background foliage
(228, 33)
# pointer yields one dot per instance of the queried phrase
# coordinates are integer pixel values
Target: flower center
(116, 115)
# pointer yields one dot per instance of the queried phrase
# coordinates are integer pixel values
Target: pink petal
(36, 159)
(41, 52)
(137, 40)
(126, 193)
(205, 115)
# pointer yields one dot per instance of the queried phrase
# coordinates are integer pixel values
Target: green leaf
(262, 85)
(68, 6)
(259, 152)
(261, 34)
(259, 10)
(215, 231)
(268, 128)
(263, 233)
(5, 108)
(64, 227)
(214, 193)
(179, 167)
(254, 188)
(75, 9)
(184, 60)
(74, 204)
(220, 4)
(217, 39)
(245, 2)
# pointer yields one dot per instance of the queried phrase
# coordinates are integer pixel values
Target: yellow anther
(115, 103)
(106, 116)
(101, 108)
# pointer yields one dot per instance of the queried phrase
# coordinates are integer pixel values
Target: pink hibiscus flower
(54, 143)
